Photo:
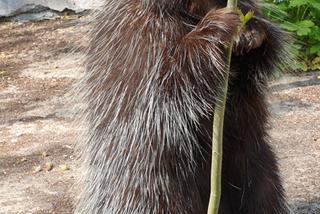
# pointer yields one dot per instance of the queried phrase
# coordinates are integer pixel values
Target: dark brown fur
(153, 71)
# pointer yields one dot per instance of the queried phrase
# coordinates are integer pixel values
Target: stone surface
(9, 7)
(37, 70)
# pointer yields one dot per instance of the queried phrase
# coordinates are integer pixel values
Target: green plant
(302, 18)
(218, 121)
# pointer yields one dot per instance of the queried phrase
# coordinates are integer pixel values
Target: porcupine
(153, 70)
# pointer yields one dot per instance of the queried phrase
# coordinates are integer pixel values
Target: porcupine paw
(249, 38)
(223, 23)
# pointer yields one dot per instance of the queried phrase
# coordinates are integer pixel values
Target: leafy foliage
(302, 18)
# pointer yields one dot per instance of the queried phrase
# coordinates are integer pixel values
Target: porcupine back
(142, 122)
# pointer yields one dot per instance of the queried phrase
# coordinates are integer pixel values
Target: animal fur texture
(153, 69)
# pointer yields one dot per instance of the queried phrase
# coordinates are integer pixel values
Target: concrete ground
(38, 64)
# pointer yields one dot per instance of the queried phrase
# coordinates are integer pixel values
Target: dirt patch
(296, 136)
(36, 72)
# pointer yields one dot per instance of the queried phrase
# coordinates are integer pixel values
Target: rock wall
(10, 7)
